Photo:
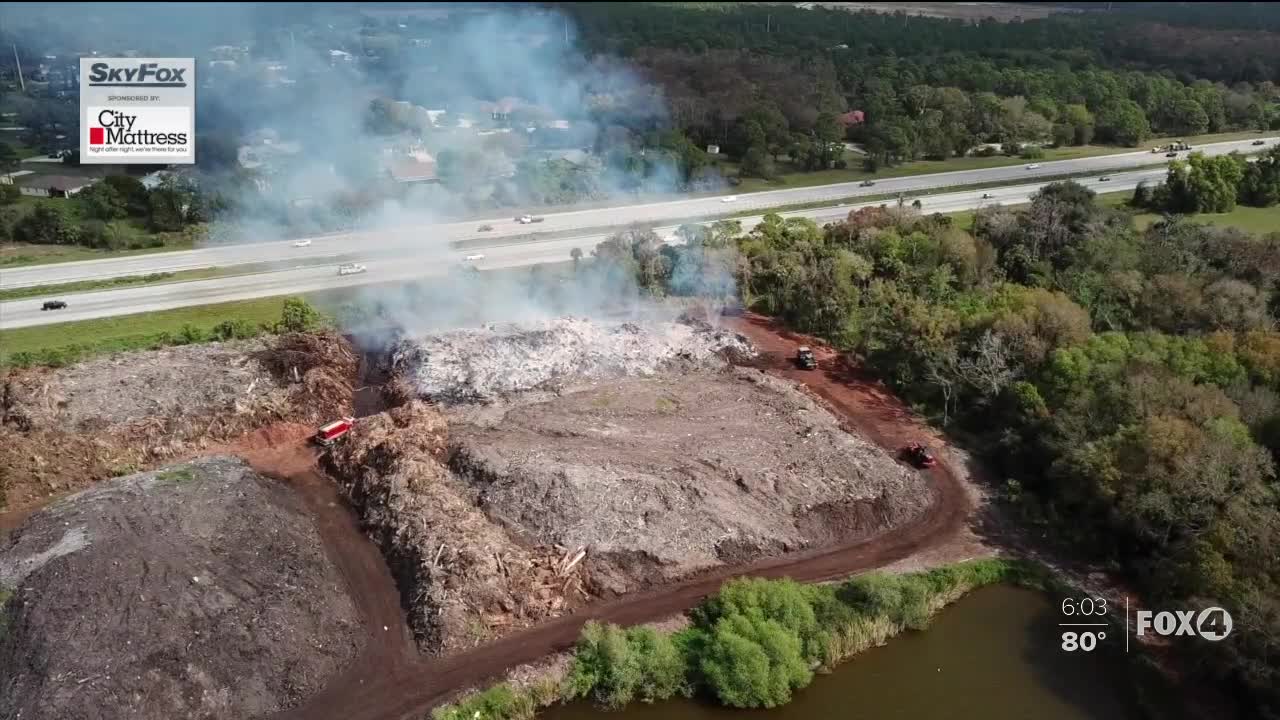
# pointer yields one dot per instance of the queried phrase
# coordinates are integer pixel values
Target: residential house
(501, 110)
(851, 118)
(9, 178)
(54, 186)
(417, 167)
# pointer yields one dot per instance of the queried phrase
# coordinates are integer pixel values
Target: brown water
(994, 655)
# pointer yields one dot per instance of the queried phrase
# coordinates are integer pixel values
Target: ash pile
(495, 361)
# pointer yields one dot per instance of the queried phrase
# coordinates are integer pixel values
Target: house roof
(411, 170)
(853, 117)
(58, 182)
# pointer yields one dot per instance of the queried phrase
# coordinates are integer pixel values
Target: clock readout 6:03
(1086, 606)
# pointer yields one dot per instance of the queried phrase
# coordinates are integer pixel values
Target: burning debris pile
(494, 361)
(573, 460)
(465, 578)
(108, 416)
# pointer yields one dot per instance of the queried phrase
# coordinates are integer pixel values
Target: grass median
(64, 343)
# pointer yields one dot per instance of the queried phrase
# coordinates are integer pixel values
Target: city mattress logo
(117, 127)
(144, 75)
(137, 111)
(156, 132)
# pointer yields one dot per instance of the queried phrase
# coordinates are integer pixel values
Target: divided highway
(425, 259)
(384, 243)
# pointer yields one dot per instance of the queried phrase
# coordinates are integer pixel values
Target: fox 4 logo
(1212, 623)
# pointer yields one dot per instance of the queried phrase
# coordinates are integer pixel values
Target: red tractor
(917, 454)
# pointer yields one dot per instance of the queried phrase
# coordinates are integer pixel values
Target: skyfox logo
(144, 74)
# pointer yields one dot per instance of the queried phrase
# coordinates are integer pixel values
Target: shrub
(786, 602)
(1032, 152)
(615, 666)
(754, 662)
(298, 316)
(190, 335)
(234, 329)
(500, 702)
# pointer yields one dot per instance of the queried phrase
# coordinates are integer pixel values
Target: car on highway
(484, 228)
(987, 196)
(1033, 166)
(729, 199)
(867, 183)
(1105, 178)
(302, 243)
(477, 256)
(1171, 154)
(1259, 142)
(527, 219)
(351, 269)
(53, 305)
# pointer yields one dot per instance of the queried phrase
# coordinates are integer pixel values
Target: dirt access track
(386, 682)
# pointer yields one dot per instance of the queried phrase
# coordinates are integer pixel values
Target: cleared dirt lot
(533, 493)
(197, 591)
(664, 476)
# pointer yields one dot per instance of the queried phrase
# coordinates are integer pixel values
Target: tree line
(1203, 184)
(117, 212)
(763, 82)
(1124, 384)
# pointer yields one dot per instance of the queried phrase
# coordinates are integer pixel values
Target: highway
(437, 259)
(426, 236)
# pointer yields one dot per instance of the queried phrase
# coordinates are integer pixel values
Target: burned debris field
(636, 449)
(510, 474)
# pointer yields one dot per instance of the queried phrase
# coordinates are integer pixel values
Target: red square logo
(95, 136)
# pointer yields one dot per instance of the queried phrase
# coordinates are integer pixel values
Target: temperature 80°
(1086, 641)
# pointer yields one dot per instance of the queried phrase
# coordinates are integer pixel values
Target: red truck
(329, 434)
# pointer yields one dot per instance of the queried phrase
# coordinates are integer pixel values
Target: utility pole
(21, 83)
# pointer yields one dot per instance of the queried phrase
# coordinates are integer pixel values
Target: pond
(993, 655)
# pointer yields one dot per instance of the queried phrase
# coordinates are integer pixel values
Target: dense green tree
(47, 224)
(1123, 122)
(9, 159)
(1204, 184)
(100, 201)
(1260, 185)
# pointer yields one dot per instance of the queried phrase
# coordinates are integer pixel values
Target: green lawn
(1250, 219)
(70, 341)
(131, 332)
(19, 254)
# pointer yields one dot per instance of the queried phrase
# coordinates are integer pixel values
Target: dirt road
(388, 683)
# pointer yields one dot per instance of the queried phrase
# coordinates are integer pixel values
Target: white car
(302, 243)
(477, 256)
(351, 269)
(525, 219)
(1033, 166)
(729, 199)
